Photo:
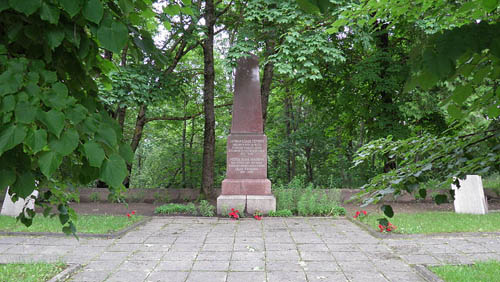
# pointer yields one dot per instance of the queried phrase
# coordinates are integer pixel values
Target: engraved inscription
(247, 156)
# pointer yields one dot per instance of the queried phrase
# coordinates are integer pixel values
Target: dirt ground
(148, 209)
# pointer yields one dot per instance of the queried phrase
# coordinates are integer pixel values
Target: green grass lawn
(93, 224)
(30, 271)
(439, 222)
(481, 271)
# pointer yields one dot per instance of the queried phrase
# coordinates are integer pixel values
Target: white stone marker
(14, 209)
(469, 198)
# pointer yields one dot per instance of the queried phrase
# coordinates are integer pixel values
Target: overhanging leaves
(114, 171)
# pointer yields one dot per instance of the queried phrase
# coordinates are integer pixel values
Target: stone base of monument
(246, 187)
(246, 203)
(15, 208)
(469, 198)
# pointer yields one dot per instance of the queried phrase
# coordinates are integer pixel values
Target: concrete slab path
(274, 249)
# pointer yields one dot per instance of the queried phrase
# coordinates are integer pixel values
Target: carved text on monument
(247, 155)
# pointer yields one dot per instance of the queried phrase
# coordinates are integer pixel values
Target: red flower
(381, 227)
(133, 212)
(128, 215)
(364, 212)
(357, 214)
(258, 217)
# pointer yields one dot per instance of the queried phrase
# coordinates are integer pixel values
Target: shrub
(176, 208)
(281, 213)
(94, 197)
(206, 209)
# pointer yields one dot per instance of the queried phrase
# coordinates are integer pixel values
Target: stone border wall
(151, 195)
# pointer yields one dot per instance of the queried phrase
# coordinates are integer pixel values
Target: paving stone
(124, 247)
(211, 265)
(180, 265)
(315, 266)
(217, 247)
(280, 276)
(214, 256)
(403, 277)
(167, 276)
(107, 265)
(280, 247)
(316, 256)
(241, 265)
(362, 276)
(246, 277)
(114, 255)
(90, 276)
(312, 248)
(173, 255)
(122, 275)
(204, 276)
(252, 247)
(361, 266)
(151, 256)
(325, 276)
(256, 256)
(419, 259)
(284, 266)
(349, 256)
(140, 266)
(282, 255)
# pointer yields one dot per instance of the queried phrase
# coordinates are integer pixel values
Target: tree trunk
(191, 169)
(183, 154)
(207, 182)
(289, 129)
(139, 126)
(121, 111)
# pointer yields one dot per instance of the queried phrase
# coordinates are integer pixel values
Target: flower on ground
(128, 215)
(390, 227)
(234, 214)
(360, 214)
(257, 215)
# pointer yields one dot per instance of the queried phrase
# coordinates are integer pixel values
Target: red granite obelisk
(246, 186)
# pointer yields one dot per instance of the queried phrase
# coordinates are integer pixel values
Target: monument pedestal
(246, 187)
(246, 203)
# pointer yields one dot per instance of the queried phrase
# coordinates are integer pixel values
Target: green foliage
(281, 213)
(206, 209)
(479, 271)
(177, 208)
(49, 59)
(307, 201)
(428, 157)
(39, 271)
(94, 197)
(439, 222)
(91, 224)
(492, 182)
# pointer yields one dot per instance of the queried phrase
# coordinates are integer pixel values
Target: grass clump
(439, 222)
(35, 272)
(308, 201)
(92, 224)
(206, 209)
(177, 208)
(281, 213)
(479, 271)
